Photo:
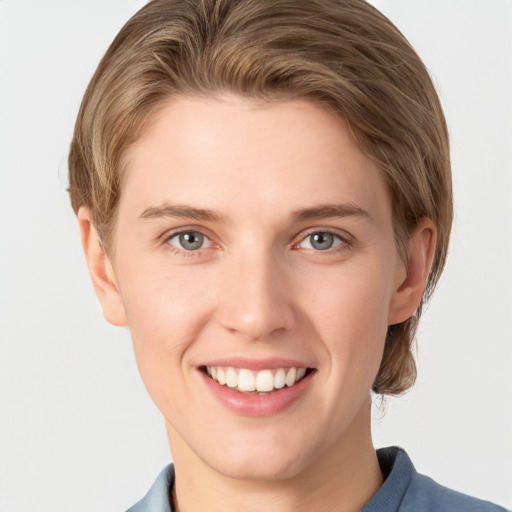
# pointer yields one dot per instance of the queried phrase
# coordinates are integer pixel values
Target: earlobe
(100, 269)
(407, 296)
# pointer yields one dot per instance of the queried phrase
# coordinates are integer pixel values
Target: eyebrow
(315, 213)
(183, 211)
(327, 211)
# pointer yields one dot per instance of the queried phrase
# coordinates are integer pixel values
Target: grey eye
(321, 241)
(189, 240)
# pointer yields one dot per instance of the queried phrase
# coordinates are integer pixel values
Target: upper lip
(257, 364)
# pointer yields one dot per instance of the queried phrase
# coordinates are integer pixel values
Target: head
(341, 55)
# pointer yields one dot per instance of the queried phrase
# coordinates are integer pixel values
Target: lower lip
(247, 404)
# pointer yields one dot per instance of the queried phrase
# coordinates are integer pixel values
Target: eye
(189, 240)
(321, 241)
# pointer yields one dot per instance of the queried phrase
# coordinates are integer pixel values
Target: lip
(258, 364)
(255, 405)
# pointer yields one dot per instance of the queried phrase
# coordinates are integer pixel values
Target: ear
(407, 297)
(100, 270)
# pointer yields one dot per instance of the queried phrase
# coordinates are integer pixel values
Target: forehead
(232, 152)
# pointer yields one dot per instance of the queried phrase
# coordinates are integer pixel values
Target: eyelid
(346, 239)
(176, 235)
(187, 229)
(164, 239)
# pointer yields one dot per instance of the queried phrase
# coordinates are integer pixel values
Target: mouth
(262, 382)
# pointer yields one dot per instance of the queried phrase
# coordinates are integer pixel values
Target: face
(256, 268)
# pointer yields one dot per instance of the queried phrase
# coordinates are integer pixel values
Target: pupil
(191, 241)
(322, 241)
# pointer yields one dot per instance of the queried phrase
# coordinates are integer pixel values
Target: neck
(343, 480)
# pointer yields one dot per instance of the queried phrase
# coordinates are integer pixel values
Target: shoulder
(157, 498)
(424, 494)
(419, 493)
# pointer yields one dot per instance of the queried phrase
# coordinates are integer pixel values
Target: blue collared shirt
(404, 490)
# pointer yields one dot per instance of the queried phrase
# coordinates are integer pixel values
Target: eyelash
(184, 252)
(342, 243)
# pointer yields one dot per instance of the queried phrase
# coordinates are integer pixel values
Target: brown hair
(343, 54)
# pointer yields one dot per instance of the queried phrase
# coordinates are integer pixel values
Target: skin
(258, 289)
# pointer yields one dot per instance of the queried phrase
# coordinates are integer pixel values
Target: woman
(263, 192)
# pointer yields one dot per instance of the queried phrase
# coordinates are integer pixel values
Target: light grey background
(77, 431)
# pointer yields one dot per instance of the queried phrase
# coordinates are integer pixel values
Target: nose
(256, 297)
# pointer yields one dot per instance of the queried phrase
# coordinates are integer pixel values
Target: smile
(263, 381)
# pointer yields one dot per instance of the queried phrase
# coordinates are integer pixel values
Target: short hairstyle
(341, 54)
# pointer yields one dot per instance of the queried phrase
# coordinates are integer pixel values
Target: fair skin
(254, 239)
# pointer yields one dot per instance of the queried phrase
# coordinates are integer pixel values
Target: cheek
(166, 311)
(163, 300)
(349, 311)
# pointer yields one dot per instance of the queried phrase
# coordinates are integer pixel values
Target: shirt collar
(398, 470)
(157, 498)
(394, 463)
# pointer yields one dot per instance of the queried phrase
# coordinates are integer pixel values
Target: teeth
(290, 377)
(263, 381)
(231, 378)
(280, 379)
(300, 373)
(246, 381)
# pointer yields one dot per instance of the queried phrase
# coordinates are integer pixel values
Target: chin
(263, 469)
(259, 461)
